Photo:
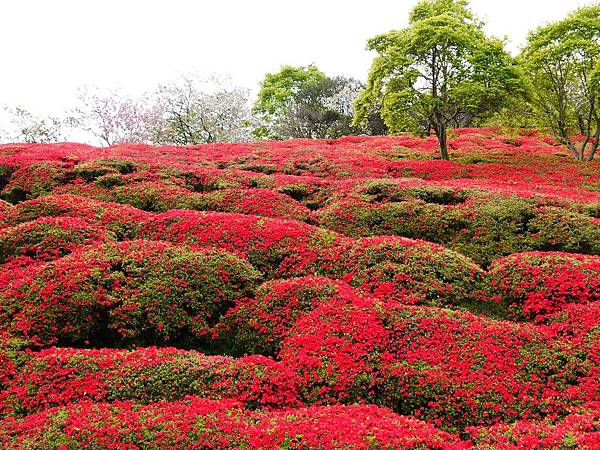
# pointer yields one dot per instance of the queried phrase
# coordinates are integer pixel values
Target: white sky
(51, 47)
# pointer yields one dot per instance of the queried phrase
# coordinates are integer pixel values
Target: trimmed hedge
(259, 324)
(201, 423)
(411, 271)
(533, 285)
(278, 248)
(140, 292)
(454, 369)
(49, 238)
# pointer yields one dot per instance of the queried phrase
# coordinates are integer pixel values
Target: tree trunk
(595, 144)
(442, 136)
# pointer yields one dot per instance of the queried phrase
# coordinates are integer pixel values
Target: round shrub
(200, 423)
(410, 271)
(83, 189)
(123, 220)
(452, 368)
(60, 376)
(576, 328)
(278, 248)
(386, 190)
(154, 196)
(49, 238)
(96, 168)
(259, 324)
(350, 426)
(580, 429)
(34, 180)
(261, 202)
(484, 227)
(310, 191)
(129, 292)
(412, 218)
(556, 229)
(457, 369)
(532, 285)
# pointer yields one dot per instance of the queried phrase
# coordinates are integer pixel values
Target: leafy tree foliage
(562, 61)
(304, 102)
(441, 71)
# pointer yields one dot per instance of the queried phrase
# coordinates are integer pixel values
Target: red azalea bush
(4, 206)
(412, 219)
(278, 248)
(82, 189)
(123, 220)
(259, 324)
(261, 202)
(482, 226)
(134, 291)
(555, 227)
(59, 376)
(580, 429)
(533, 285)
(337, 352)
(34, 180)
(49, 238)
(351, 426)
(453, 368)
(410, 271)
(201, 423)
(92, 170)
(154, 196)
(576, 328)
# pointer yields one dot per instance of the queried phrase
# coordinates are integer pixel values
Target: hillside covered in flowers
(349, 293)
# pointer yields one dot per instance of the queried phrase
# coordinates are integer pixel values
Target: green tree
(304, 102)
(562, 63)
(439, 72)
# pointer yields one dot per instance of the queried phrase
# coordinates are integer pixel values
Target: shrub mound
(533, 285)
(34, 180)
(139, 292)
(93, 169)
(410, 271)
(60, 376)
(452, 368)
(201, 423)
(49, 238)
(123, 220)
(154, 195)
(259, 324)
(278, 248)
(580, 429)
(260, 202)
(484, 227)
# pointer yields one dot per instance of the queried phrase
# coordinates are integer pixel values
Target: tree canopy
(304, 102)
(562, 63)
(440, 71)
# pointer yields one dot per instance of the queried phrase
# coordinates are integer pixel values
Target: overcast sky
(49, 48)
